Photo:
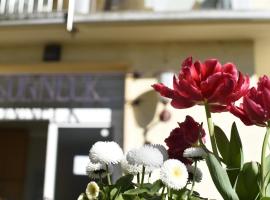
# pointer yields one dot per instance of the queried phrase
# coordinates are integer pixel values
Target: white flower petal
(174, 174)
(106, 153)
(194, 152)
(92, 190)
(162, 150)
(95, 170)
(133, 169)
(146, 155)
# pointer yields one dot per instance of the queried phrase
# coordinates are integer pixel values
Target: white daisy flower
(146, 155)
(195, 153)
(106, 153)
(133, 169)
(92, 190)
(82, 197)
(162, 150)
(95, 167)
(174, 174)
(130, 169)
(197, 174)
(95, 170)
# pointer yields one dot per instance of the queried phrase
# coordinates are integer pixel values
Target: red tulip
(198, 83)
(255, 108)
(183, 137)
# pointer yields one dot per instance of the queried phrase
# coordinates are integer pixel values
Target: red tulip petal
(240, 113)
(241, 88)
(181, 103)
(209, 67)
(210, 84)
(266, 100)
(217, 108)
(254, 110)
(187, 62)
(222, 91)
(163, 90)
(264, 82)
(231, 69)
(178, 101)
(187, 90)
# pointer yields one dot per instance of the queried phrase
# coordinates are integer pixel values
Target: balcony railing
(66, 10)
(17, 7)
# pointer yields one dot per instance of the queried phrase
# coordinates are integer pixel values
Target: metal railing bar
(2, 6)
(21, 6)
(70, 16)
(11, 6)
(50, 6)
(30, 8)
(59, 5)
(40, 6)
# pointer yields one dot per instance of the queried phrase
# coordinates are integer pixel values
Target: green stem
(143, 173)
(211, 130)
(162, 193)
(169, 193)
(193, 181)
(149, 176)
(263, 161)
(108, 175)
(100, 178)
(138, 178)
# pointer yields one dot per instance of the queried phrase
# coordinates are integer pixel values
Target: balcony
(16, 12)
(132, 20)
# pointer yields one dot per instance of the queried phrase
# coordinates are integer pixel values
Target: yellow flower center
(92, 189)
(177, 172)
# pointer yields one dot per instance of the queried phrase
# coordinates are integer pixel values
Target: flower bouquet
(216, 87)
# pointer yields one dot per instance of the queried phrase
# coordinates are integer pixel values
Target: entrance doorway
(13, 159)
(72, 143)
(22, 159)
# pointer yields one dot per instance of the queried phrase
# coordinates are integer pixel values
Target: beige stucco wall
(151, 58)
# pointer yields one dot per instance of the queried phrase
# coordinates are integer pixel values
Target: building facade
(74, 72)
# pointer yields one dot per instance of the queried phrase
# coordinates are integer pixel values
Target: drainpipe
(70, 15)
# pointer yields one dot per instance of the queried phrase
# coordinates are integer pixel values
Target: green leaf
(267, 178)
(113, 193)
(124, 183)
(119, 197)
(222, 143)
(220, 178)
(247, 183)
(135, 191)
(235, 156)
(130, 197)
(265, 198)
(157, 185)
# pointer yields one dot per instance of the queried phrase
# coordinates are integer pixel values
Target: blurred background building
(76, 71)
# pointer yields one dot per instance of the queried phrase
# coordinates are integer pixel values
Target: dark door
(73, 142)
(13, 160)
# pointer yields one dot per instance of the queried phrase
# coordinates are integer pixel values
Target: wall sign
(61, 90)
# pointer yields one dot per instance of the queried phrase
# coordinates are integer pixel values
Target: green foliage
(267, 178)
(247, 185)
(222, 143)
(231, 151)
(235, 157)
(220, 178)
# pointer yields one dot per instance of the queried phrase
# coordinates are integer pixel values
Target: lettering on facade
(59, 90)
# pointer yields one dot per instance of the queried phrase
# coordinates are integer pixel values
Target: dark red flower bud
(183, 137)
